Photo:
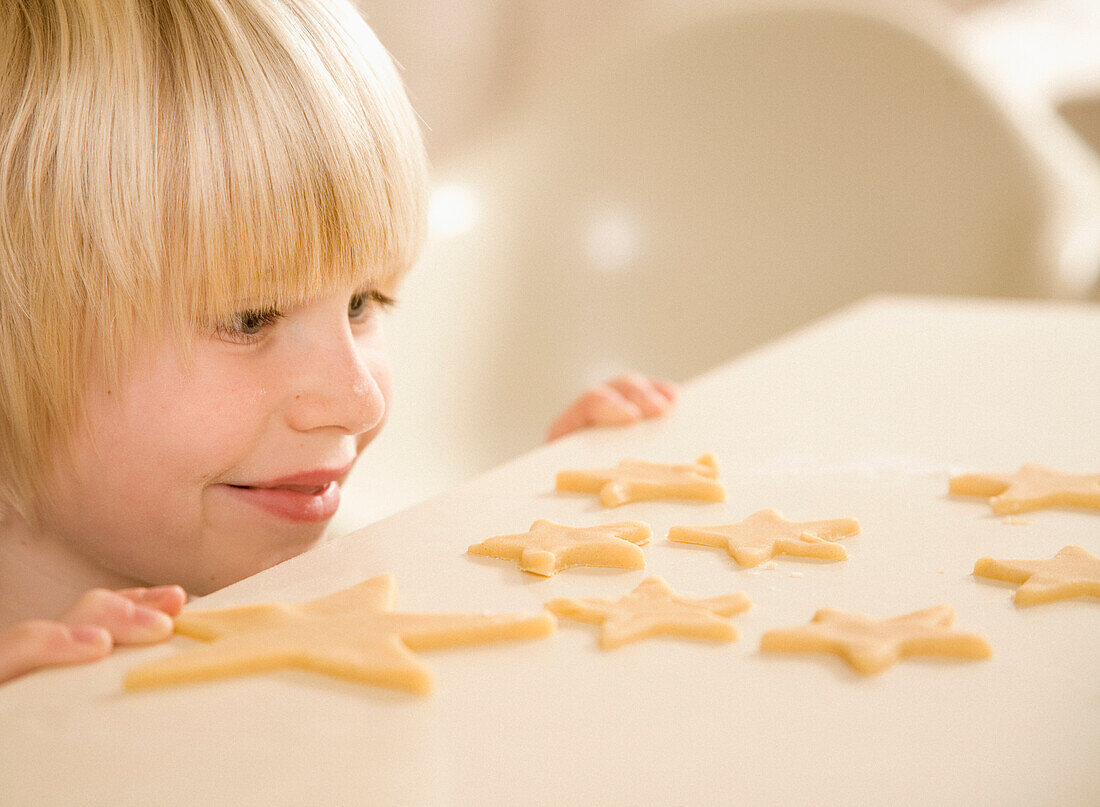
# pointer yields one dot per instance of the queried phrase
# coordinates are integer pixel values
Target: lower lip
(291, 504)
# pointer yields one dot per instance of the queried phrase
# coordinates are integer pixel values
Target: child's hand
(90, 629)
(622, 400)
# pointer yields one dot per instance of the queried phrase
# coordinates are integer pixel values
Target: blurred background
(662, 185)
(468, 63)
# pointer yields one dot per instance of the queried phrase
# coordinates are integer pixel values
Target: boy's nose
(337, 389)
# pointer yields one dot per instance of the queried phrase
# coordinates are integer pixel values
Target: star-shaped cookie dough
(766, 534)
(350, 634)
(1073, 572)
(871, 645)
(547, 548)
(654, 609)
(636, 480)
(1033, 487)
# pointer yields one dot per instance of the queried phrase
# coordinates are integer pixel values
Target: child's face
(204, 475)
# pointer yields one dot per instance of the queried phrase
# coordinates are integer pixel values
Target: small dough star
(547, 548)
(350, 634)
(871, 645)
(654, 609)
(1033, 487)
(766, 534)
(1073, 572)
(636, 480)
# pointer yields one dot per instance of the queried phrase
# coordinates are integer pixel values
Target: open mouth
(309, 490)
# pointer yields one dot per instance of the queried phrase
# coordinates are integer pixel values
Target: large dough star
(547, 548)
(350, 634)
(1073, 572)
(766, 534)
(654, 609)
(1033, 487)
(871, 645)
(636, 480)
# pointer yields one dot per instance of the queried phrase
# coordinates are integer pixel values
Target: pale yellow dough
(1033, 487)
(654, 609)
(547, 547)
(766, 533)
(636, 480)
(871, 645)
(1073, 572)
(350, 634)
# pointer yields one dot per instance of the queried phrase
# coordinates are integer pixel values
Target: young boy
(204, 207)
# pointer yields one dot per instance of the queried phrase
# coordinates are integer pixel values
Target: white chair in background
(716, 177)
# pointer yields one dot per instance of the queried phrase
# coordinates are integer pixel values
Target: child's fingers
(36, 643)
(643, 393)
(667, 388)
(621, 401)
(127, 621)
(568, 421)
(572, 419)
(168, 599)
(599, 406)
(609, 407)
(91, 628)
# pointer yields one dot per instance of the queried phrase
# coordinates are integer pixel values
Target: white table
(864, 414)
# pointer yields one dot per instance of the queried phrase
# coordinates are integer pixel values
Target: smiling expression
(204, 472)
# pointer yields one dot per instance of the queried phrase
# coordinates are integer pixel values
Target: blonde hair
(166, 163)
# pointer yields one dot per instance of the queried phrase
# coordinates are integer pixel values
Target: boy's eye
(360, 305)
(246, 325)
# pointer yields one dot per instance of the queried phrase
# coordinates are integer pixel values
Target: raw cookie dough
(1033, 487)
(871, 645)
(636, 480)
(766, 534)
(350, 634)
(654, 609)
(1073, 572)
(547, 548)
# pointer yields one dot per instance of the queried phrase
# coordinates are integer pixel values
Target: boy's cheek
(123, 525)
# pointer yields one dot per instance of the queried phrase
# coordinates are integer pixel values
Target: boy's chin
(232, 561)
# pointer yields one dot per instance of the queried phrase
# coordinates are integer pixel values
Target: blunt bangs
(308, 173)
